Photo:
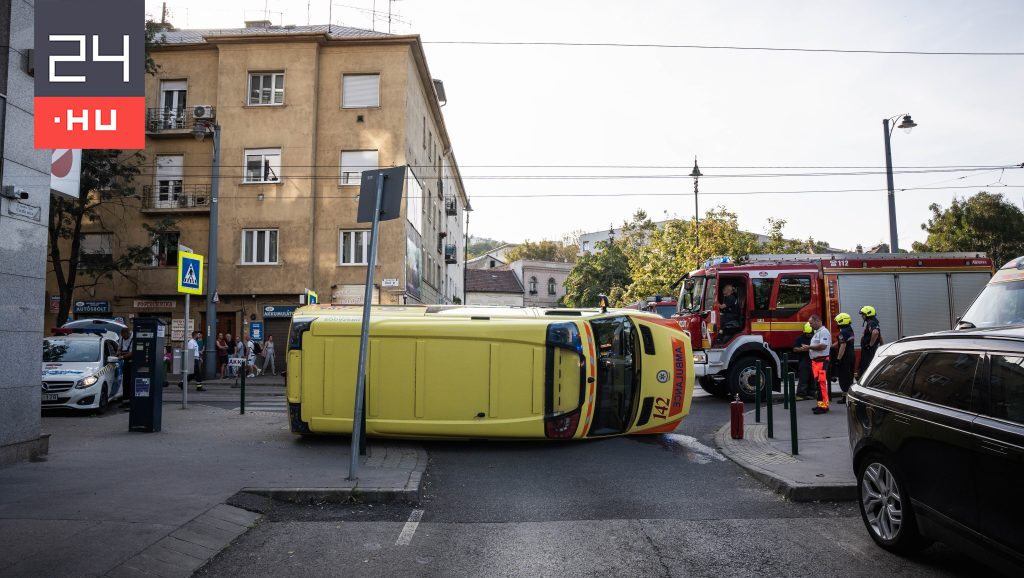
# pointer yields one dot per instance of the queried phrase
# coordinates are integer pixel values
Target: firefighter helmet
(808, 328)
(867, 311)
(843, 319)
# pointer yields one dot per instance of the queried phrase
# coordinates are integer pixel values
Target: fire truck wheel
(717, 389)
(741, 377)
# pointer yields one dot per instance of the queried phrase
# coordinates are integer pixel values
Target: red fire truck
(912, 294)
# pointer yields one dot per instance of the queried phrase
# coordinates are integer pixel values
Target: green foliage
(604, 271)
(481, 245)
(778, 244)
(984, 222)
(543, 251)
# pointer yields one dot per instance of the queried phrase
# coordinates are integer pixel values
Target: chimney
(258, 24)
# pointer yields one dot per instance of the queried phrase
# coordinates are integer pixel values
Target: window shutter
(353, 163)
(169, 167)
(360, 90)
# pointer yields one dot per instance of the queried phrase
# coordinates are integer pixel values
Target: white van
(81, 369)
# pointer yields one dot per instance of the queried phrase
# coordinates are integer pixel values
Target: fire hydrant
(736, 418)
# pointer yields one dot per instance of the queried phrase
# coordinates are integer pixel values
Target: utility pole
(906, 125)
(696, 174)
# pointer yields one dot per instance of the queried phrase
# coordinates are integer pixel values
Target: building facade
(302, 110)
(493, 287)
(543, 281)
(23, 224)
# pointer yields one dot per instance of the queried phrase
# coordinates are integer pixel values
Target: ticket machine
(148, 375)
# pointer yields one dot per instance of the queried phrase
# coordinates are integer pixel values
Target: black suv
(937, 435)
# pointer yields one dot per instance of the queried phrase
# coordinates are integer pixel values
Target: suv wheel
(885, 506)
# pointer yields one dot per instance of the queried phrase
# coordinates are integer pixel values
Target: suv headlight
(87, 382)
(700, 357)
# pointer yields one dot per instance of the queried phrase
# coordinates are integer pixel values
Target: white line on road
(409, 529)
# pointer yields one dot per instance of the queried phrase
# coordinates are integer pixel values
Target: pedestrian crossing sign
(190, 273)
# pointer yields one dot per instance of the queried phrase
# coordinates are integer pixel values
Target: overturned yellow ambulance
(489, 372)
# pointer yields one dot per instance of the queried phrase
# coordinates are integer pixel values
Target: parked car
(80, 366)
(937, 435)
(489, 372)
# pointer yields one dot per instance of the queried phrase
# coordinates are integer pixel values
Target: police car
(81, 369)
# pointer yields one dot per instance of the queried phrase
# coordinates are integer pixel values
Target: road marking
(698, 452)
(409, 529)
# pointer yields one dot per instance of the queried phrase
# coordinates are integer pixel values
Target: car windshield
(998, 304)
(618, 381)
(691, 295)
(74, 350)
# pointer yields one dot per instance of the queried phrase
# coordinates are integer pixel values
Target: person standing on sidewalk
(268, 355)
(125, 353)
(800, 348)
(250, 356)
(222, 354)
(193, 346)
(821, 342)
(844, 354)
(870, 339)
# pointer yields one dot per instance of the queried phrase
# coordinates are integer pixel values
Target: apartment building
(302, 110)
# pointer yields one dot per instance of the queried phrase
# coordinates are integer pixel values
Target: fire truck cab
(776, 294)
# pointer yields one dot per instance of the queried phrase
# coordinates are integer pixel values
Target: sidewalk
(109, 502)
(821, 471)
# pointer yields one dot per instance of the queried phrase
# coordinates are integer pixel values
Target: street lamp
(696, 174)
(200, 130)
(907, 125)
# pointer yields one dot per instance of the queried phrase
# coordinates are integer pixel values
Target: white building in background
(543, 282)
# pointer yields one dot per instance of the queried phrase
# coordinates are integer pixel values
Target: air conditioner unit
(204, 111)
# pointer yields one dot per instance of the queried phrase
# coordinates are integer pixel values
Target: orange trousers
(819, 369)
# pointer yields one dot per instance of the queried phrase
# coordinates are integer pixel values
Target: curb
(790, 489)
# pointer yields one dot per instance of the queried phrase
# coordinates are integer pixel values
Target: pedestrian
(869, 340)
(222, 354)
(125, 353)
(250, 356)
(844, 354)
(800, 348)
(193, 346)
(232, 352)
(257, 350)
(268, 355)
(818, 350)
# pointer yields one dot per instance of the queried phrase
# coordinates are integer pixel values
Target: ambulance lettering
(678, 376)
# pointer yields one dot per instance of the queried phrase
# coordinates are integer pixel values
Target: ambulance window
(794, 292)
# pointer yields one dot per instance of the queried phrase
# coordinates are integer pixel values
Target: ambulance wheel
(104, 401)
(741, 377)
(717, 389)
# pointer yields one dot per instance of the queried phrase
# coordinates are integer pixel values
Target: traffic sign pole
(184, 356)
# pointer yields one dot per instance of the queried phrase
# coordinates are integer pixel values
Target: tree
(777, 244)
(543, 251)
(481, 245)
(985, 222)
(603, 271)
(673, 251)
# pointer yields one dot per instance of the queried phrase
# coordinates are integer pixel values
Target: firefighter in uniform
(870, 339)
(803, 369)
(821, 343)
(844, 354)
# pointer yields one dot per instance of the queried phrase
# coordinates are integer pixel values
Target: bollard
(792, 414)
(770, 402)
(241, 407)
(786, 401)
(757, 393)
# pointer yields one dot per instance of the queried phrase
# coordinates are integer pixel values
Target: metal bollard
(785, 392)
(771, 401)
(241, 407)
(792, 414)
(757, 393)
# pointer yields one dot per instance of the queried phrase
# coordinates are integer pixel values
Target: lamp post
(907, 125)
(200, 130)
(696, 174)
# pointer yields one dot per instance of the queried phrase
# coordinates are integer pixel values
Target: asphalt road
(666, 506)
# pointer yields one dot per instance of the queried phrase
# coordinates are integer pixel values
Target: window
(266, 88)
(533, 285)
(586, 245)
(165, 249)
(794, 292)
(173, 94)
(1006, 388)
(96, 250)
(414, 202)
(551, 286)
(354, 248)
(892, 375)
(169, 177)
(263, 165)
(424, 133)
(762, 292)
(945, 379)
(353, 163)
(259, 247)
(360, 91)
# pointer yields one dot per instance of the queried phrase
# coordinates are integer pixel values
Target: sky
(556, 139)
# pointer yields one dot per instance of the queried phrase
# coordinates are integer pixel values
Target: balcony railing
(451, 207)
(451, 254)
(176, 197)
(169, 120)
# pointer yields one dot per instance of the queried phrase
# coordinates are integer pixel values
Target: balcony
(169, 121)
(451, 254)
(451, 207)
(192, 198)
